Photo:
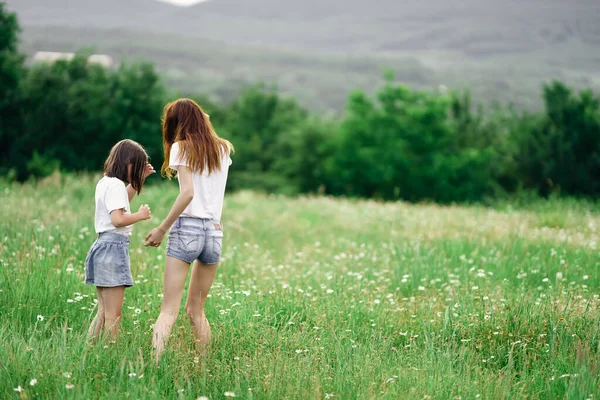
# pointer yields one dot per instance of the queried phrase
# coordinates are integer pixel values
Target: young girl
(107, 262)
(200, 158)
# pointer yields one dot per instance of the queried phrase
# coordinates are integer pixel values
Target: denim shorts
(107, 262)
(196, 239)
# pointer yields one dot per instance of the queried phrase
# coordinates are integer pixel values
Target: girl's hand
(144, 212)
(155, 237)
(149, 170)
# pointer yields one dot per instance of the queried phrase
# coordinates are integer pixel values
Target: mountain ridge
(472, 27)
(501, 50)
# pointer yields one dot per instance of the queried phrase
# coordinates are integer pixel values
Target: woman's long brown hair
(185, 122)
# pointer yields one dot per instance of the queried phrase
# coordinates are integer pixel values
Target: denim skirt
(107, 263)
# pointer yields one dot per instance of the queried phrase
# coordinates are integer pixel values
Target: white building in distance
(52, 56)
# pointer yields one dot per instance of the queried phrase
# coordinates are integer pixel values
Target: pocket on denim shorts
(212, 252)
(217, 247)
(186, 244)
(189, 243)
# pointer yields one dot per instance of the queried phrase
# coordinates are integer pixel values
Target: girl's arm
(130, 192)
(186, 194)
(149, 171)
(119, 219)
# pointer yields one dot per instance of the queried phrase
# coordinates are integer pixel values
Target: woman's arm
(186, 194)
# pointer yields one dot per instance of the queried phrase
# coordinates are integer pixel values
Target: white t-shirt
(209, 190)
(111, 195)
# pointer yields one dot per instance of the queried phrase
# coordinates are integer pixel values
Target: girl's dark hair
(122, 155)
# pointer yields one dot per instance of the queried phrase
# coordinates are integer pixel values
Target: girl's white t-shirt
(209, 189)
(111, 194)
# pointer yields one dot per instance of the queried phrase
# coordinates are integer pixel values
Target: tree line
(398, 144)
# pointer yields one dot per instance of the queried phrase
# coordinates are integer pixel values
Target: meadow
(316, 298)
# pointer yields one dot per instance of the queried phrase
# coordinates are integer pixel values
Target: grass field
(316, 298)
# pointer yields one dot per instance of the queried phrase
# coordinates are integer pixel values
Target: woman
(200, 159)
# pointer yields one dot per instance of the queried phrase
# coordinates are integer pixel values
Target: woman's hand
(155, 237)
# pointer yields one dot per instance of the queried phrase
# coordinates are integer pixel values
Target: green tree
(256, 122)
(560, 150)
(74, 112)
(138, 98)
(11, 70)
(305, 155)
(405, 145)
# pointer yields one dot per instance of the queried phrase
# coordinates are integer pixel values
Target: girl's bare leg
(113, 306)
(202, 279)
(98, 321)
(174, 280)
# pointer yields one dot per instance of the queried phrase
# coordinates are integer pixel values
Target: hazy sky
(183, 2)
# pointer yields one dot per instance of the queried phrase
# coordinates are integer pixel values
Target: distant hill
(492, 46)
(474, 27)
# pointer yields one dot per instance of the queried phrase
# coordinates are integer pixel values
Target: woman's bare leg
(98, 321)
(113, 307)
(174, 280)
(200, 283)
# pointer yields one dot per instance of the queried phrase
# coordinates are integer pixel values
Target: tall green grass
(315, 298)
